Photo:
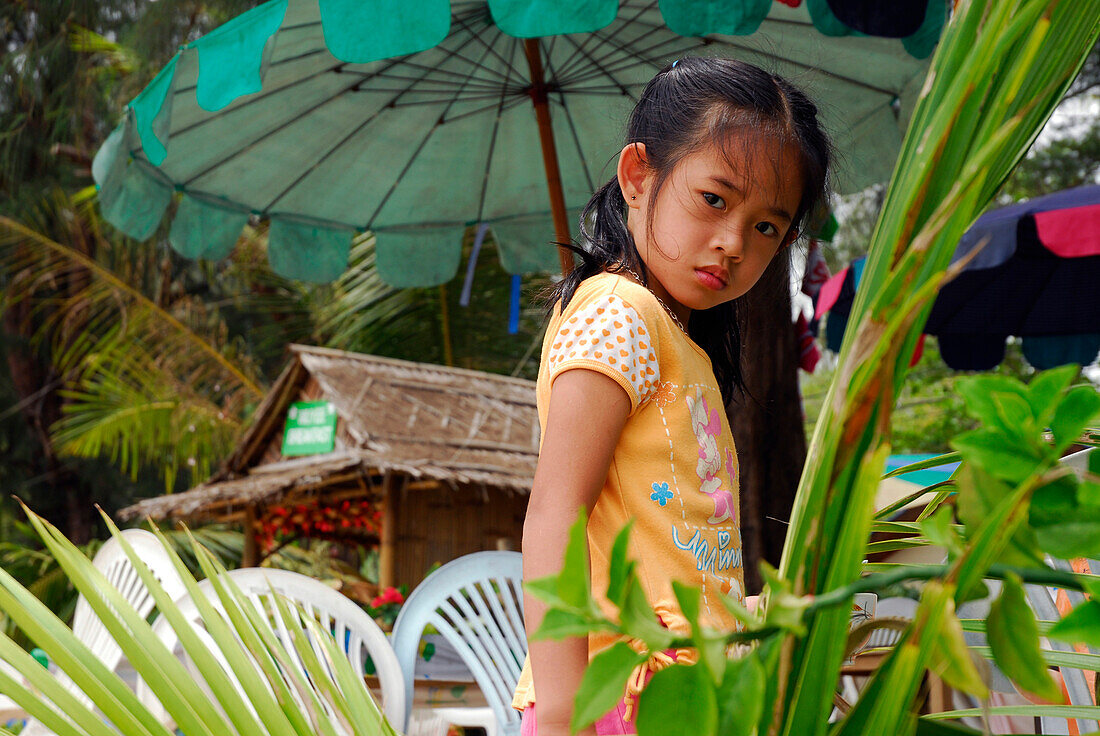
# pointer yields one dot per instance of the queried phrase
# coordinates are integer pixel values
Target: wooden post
(549, 153)
(250, 557)
(386, 548)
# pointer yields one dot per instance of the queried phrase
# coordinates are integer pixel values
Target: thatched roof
(428, 423)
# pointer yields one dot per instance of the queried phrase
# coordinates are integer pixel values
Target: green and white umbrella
(415, 120)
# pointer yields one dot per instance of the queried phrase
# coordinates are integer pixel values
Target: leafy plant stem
(882, 581)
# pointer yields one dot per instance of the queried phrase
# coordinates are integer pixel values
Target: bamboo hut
(443, 458)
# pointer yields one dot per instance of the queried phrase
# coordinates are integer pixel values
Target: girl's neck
(679, 313)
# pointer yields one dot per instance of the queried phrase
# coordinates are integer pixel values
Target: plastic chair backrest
(335, 613)
(112, 561)
(476, 603)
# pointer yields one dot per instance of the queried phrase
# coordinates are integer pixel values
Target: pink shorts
(612, 724)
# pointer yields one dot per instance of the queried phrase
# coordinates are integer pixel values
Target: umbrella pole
(549, 153)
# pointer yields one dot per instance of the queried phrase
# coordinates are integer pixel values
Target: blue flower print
(661, 494)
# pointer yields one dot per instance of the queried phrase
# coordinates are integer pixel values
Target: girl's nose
(732, 244)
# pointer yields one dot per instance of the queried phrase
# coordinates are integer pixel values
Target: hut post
(387, 564)
(251, 555)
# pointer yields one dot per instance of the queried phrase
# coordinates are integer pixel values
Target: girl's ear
(633, 174)
(792, 235)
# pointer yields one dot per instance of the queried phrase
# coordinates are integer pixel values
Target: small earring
(632, 196)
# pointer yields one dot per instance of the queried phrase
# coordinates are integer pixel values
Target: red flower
(389, 595)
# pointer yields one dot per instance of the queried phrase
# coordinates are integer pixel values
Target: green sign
(310, 428)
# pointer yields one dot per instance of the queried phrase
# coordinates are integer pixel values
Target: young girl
(721, 165)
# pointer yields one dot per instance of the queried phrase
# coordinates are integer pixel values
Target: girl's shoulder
(610, 287)
(607, 327)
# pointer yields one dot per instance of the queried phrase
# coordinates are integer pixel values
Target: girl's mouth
(709, 280)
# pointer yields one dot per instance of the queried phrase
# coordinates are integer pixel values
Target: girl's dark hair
(691, 103)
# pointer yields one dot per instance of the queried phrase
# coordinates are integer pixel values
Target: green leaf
(741, 696)
(604, 683)
(678, 700)
(639, 620)
(1014, 639)
(574, 587)
(1045, 389)
(546, 590)
(943, 728)
(161, 670)
(749, 620)
(979, 496)
(1075, 412)
(1090, 712)
(1015, 414)
(999, 454)
(951, 659)
(711, 644)
(688, 597)
(785, 610)
(1079, 626)
(932, 462)
(1088, 493)
(939, 528)
(978, 392)
(1062, 526)
(621, 569)
(559, 624)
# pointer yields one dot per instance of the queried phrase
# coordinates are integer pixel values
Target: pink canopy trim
(830, 290)
(1067, 233)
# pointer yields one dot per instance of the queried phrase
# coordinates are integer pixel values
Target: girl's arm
(586, 416)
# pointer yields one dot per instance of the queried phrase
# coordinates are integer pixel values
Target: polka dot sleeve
(609, 336)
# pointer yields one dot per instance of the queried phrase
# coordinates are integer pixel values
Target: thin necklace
(659, 301)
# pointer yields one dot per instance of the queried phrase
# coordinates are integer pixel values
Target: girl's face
(717, 223)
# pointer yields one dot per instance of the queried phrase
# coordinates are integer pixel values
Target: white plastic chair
(476, 603)
(112, 561)
(349, 624)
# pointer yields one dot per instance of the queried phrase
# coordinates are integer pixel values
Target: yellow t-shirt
(674, 471)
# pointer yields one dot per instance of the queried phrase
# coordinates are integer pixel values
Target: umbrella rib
(470, 80)
(264, 136)
(638, 60)
(512, 102)
(419, 148)
(445, 84)
(567, 66)
(808, 67)
(488, 47)
(435, 70)
(577, 143)
(477, 93)
(493, 141)
(573, 127)
(654, 28)
(599, 66)
(243, 149)
(503, 88)
(462, 115)
(230, 110)
(643, 56)
(280, 62)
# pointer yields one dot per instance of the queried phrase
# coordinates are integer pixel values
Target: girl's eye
(767, 228)
(714, 200)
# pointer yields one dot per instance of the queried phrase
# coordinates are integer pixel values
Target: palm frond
(237, 645)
